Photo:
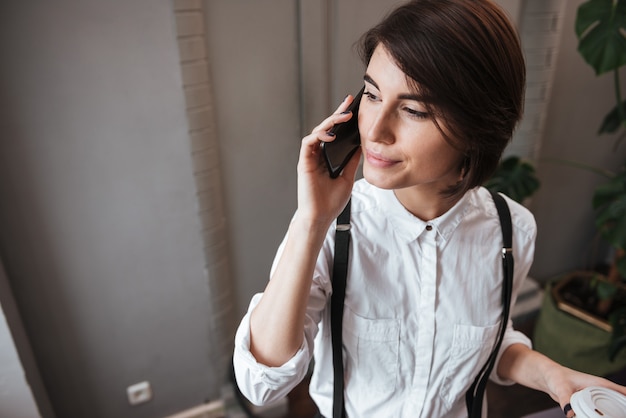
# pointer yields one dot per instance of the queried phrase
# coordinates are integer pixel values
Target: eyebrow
(405, 96)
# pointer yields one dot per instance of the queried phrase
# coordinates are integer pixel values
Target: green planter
(573, 342)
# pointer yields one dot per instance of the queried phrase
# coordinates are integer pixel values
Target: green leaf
(620, 263)
(515, 178)
(600, 27)
(617, 319)
(606, 290)
(613, 121)
(609, 204)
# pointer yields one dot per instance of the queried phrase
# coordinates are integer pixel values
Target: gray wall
(17, 362)
(254, 66)
(16, 398)
(99, 230)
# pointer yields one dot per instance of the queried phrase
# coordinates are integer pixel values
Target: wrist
(309, 224)
(554, 378)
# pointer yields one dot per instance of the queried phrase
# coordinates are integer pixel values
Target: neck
(425, 204)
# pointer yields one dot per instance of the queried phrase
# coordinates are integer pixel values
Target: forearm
(526, 367)
(532, 369)
(277, 322)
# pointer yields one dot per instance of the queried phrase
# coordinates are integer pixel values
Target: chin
(379, 179)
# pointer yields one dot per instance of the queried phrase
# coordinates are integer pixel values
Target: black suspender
(340, 271)
(474, 396)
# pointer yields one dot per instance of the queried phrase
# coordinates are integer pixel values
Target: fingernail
(330, 133)
(567, 408)
(346, 112)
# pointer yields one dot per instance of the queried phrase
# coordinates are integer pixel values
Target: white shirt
(421, 315)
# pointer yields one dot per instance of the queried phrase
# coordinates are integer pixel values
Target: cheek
(431, 149)
(362, 121)
(370, 121)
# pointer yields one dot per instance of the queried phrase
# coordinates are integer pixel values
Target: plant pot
(577, 294)
(574, 337)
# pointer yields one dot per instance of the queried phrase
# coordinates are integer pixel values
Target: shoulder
(366, 197)
(522, 219)
(374, 211)
(362, 190)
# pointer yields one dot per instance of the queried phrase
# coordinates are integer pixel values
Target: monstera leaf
(609, 203)
(618, 337)
(515, 178)
(601, 31)
(613, 120)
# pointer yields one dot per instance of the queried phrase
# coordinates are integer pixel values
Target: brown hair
(464, 57)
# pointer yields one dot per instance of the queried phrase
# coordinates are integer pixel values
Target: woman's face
(402, 146)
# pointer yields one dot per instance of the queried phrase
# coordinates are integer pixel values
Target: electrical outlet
(139, 393)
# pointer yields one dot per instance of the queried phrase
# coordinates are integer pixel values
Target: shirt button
(429, 227)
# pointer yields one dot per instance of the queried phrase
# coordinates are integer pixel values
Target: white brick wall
(541, 28)
(204, 148)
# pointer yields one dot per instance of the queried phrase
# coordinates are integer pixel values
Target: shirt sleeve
(261, 384)
(511, 337)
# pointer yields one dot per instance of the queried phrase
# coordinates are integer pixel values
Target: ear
(465, 166)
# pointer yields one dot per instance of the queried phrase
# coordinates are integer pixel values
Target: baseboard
(210, 410)
(228, 407)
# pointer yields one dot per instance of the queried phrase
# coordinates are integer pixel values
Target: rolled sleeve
(510, 337)
(257, 382)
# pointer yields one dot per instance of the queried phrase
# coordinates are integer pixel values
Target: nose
(378, 125)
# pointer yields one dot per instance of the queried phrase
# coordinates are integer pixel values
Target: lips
(378, 160)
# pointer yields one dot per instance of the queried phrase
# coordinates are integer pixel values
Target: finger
(332, 120)
(567, 410)
(340, 115)
(313, 141)
(344, 104)
(311, 152)
(311, 144)
(326, 136)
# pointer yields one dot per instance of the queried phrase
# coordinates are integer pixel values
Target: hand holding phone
(347, 140)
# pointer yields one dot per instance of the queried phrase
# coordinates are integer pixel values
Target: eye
(370, 96)
(415, 113)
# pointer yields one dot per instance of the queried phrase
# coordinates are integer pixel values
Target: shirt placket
(426, 326)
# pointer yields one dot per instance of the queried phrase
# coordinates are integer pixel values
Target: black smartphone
(337, 153)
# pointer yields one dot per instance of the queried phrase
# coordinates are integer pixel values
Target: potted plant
(515, 177)
(596, 299)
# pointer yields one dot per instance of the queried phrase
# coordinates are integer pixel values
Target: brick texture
(204, 150)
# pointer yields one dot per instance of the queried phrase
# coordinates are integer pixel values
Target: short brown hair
(465, 58)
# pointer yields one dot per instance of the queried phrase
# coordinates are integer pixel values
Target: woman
(443, 92)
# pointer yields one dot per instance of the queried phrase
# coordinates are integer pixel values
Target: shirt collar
(410, 227)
